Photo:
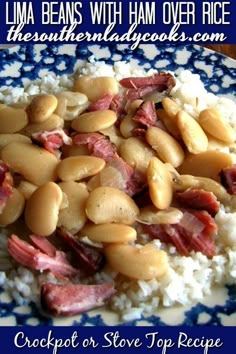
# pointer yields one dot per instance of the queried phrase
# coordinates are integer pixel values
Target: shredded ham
(43, 245)
(194, 232)
(52, 140)
(72, 299)
(228, 179)
(198, 199)
(118, 106)
(146, 114)
(98, 144)
(34, 258)
(164, 79)
(135, 94)
(102, 103)
(87, 257)
(145, 117)
(138, 87)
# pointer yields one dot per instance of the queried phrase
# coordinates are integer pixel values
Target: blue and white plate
(20, 63)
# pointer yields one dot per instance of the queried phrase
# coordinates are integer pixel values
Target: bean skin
(35, 164)
(42, 209)
(108, 204)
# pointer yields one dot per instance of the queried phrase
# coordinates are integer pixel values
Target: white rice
(189, 279)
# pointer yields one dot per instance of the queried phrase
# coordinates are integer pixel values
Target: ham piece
(98, 144)
(146, 114)
(228, 179)
(138, 87)
(87, 258)
(72, 299)
(194, 232)
(60, 299)
(42, 258)
(139, 93)
(52, 140)
(163, 79)
(101, 103)
(145, 117)
(118, 106)
(115, 103)
(43, 245)
(198, 199)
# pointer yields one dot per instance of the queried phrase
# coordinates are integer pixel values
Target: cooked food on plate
(117, 188)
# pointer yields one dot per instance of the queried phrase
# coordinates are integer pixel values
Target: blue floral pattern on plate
(218, 72)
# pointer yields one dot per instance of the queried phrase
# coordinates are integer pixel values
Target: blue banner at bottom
(162, 340)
